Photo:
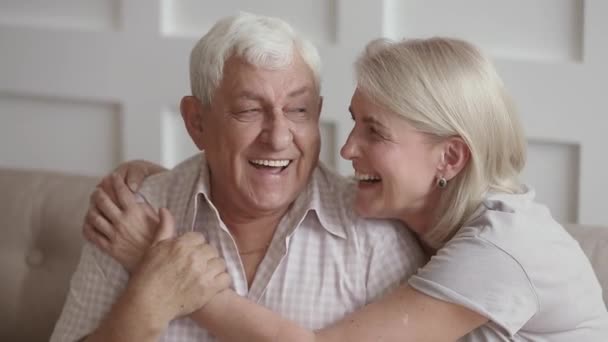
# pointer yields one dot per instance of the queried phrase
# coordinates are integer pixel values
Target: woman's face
(395, 165)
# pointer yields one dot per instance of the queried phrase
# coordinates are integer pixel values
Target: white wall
(87, 84)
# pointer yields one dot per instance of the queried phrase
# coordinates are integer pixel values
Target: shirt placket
(208, 222)
(276, 253)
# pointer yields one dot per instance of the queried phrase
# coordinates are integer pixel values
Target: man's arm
(89, 313)
(97, 283)
(104, 306)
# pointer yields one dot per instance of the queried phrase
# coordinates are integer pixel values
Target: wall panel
(58, 134)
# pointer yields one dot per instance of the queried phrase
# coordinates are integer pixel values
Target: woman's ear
(192, 114)
(456, 155)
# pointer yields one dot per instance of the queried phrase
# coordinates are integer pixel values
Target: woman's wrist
(215, 309)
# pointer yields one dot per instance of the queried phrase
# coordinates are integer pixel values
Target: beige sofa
(40, 220)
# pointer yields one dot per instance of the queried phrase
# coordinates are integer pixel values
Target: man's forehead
(256, 94)
(296, 68)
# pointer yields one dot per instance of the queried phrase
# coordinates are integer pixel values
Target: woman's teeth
(362, 177)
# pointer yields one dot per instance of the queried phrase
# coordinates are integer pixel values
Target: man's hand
(123, 229)
(177, 275)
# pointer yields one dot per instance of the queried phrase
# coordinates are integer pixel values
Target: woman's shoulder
(524, 230)
(505, 218)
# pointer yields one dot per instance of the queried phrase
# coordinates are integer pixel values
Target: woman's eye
(376, 134)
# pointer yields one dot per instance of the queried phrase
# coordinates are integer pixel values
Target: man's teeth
(271, 163)
(366, 177)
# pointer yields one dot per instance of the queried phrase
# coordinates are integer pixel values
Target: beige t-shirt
(518, 267)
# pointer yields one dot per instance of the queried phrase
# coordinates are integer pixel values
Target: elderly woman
(437, 144)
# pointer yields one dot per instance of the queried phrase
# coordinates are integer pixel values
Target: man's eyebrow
(249, 95)
(253, 96)
(368, 119)
(299, 91)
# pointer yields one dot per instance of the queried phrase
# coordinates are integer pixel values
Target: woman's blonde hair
(447, 87)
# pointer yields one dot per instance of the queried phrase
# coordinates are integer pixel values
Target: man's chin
(272, 202)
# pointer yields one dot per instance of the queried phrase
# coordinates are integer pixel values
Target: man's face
(261, 136)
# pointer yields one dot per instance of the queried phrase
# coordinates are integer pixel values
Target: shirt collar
(317, 199)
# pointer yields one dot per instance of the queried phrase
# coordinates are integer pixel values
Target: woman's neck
(421, 220)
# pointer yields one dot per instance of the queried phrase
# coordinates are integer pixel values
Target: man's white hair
(261, 41)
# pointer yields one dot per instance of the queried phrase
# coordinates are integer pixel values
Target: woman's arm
(403, 315)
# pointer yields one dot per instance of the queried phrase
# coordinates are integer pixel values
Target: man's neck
(251, 229)
(252, 233)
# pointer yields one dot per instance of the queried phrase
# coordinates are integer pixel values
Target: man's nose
(277, 132)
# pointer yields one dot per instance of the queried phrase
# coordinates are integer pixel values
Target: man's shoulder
(333, 188)
(157, 189)
(336, 197)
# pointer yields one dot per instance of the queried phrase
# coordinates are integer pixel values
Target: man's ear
(192, 113)
(455, 156)
(320, 105)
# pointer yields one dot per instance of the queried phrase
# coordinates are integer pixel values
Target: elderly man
(281, 220)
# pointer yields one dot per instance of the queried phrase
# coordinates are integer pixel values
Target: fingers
(166, 229)
(125, 197)
(106, 185)
(95, 237)
(150, 212)
(103, 202)
(215, 266)
(135, 176)
(209, 252)
(99, 223)
(222, 281)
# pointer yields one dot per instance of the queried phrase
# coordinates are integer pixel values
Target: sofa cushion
(41, 215)
(594, 241)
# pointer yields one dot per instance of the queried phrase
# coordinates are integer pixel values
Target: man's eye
(297, 114)
(296, 110)
(249, 110)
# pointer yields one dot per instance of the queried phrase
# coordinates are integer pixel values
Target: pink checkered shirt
(323, 262)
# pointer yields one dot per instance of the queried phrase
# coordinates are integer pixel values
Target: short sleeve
(95, 286)
(474, 273)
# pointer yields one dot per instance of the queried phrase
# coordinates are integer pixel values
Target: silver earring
(442, 182)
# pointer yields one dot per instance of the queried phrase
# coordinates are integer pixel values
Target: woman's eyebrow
(368, 119)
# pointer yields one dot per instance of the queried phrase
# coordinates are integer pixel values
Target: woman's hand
(132, 173)
(122, 228)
